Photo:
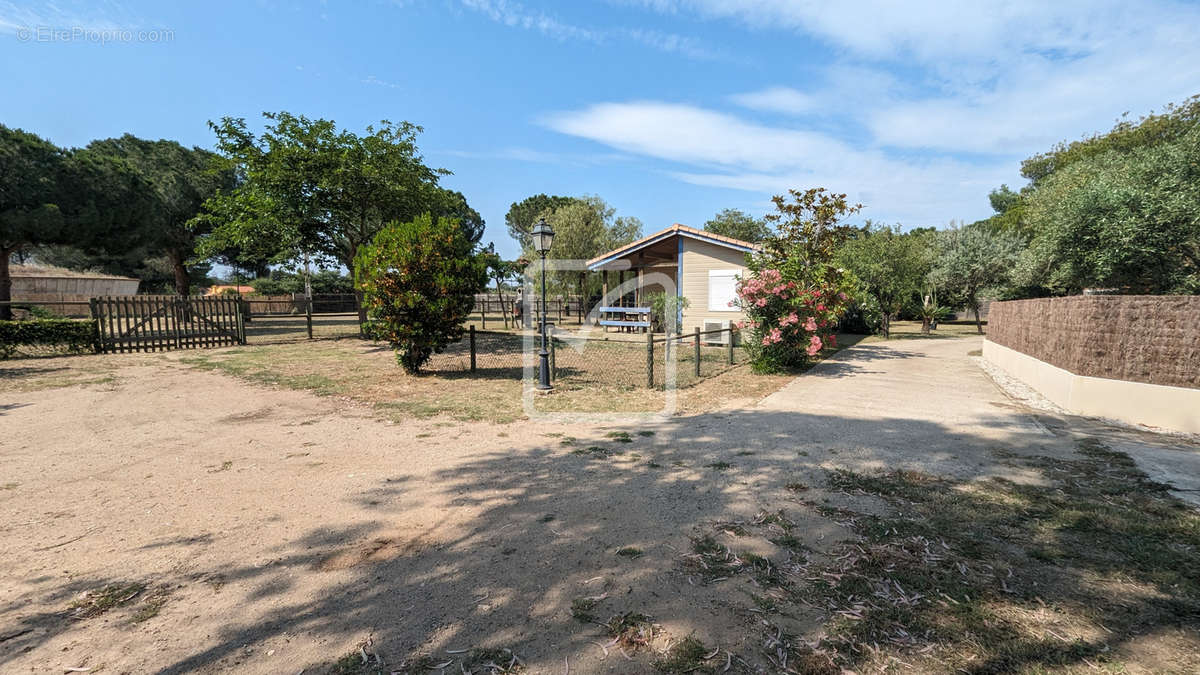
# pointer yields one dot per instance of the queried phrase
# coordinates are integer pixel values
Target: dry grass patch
(993, 576)
(367, 373)
(911, 330)
(26, 375)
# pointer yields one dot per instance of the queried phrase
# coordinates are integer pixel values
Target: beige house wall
(1153, 405)
(699, 258)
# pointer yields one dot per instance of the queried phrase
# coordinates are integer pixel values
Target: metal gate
(149, 323)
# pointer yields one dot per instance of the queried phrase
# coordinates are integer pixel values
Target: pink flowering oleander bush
(789, 320)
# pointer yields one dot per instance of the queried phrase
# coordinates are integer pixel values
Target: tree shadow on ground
(522, 535)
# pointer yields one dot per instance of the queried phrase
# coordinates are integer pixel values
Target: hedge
(69, 334)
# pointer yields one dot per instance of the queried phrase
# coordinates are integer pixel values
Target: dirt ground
(164, 518)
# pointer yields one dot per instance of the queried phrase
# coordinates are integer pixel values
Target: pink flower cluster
(774, 337)
(814, 345)
(768, 286)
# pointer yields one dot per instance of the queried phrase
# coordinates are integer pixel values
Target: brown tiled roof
(676, 228)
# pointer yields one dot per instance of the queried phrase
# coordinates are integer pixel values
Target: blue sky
(669, 109)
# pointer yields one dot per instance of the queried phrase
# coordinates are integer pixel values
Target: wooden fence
(142, 323)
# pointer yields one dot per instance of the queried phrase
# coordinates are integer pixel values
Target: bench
(620, 317)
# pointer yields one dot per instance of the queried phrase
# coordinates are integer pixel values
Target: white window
(721, 290)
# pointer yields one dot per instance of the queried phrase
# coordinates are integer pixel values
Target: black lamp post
(543, 237)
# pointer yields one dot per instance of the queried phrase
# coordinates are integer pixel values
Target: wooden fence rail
(144, 323)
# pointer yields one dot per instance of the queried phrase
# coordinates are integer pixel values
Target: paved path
(926, 403)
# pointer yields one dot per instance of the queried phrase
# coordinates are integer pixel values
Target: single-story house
(701, 266)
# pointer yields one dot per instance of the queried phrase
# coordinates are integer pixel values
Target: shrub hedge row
(68, 334)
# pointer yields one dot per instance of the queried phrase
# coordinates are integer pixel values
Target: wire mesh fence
(576, 360)
(270, 329)
(510, 311)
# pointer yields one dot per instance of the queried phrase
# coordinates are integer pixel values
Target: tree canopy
(306, 187)
(1127, 219)
(890, 265)
(50, 195)
(522, 215)
(972, 259)
(180, 181)
(809, 224)
(739, 225)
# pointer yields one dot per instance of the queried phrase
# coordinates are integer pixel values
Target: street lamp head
(543, 236)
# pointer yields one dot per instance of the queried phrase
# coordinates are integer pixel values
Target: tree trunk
(978, 323)
(887, 326)
(358, 296)
(925, 325)
(183, 283)
(5, 283)
(500, 294)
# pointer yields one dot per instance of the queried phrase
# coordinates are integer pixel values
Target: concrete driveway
(927, 404)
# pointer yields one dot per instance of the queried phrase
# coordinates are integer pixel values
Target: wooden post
(697, 346)
(472, 333)
(649, 360)
(99, 325)
(730, 345)
(241, 323)
(308, 314)
(177, 310)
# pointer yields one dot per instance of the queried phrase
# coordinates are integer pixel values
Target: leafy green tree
(809, 225)
(181, 180)
(419, 281)
(522, 215)
(32, 182)
(49, 195)
(739, 225)
(307, 189)
(502, 272)
(583, 229)
(890, 266)
(795, 293)
(1175, 121)
(971, 259)
(282, 282)
(1122, 218)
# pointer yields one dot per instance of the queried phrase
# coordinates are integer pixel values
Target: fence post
(241, 323)
(730, 345)
(649, 360)
(697, 345)
(472, 348)
(308, 314)
(98, 346)
(177, 304)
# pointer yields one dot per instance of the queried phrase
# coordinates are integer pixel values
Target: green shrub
(419, 281)
(67, 334)
(665, 309)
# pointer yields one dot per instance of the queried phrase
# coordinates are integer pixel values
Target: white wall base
(1152, 405)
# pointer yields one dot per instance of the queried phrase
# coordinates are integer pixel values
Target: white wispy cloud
(102, 16)
(722, 150)
(523, 154)
(917, 109)
(372, 80)
(518, 15)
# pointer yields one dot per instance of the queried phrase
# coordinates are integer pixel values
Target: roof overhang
(619, 258)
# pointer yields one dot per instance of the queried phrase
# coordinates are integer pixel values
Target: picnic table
(625, 318)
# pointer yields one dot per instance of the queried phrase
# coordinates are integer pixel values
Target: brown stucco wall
(1153, 339)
